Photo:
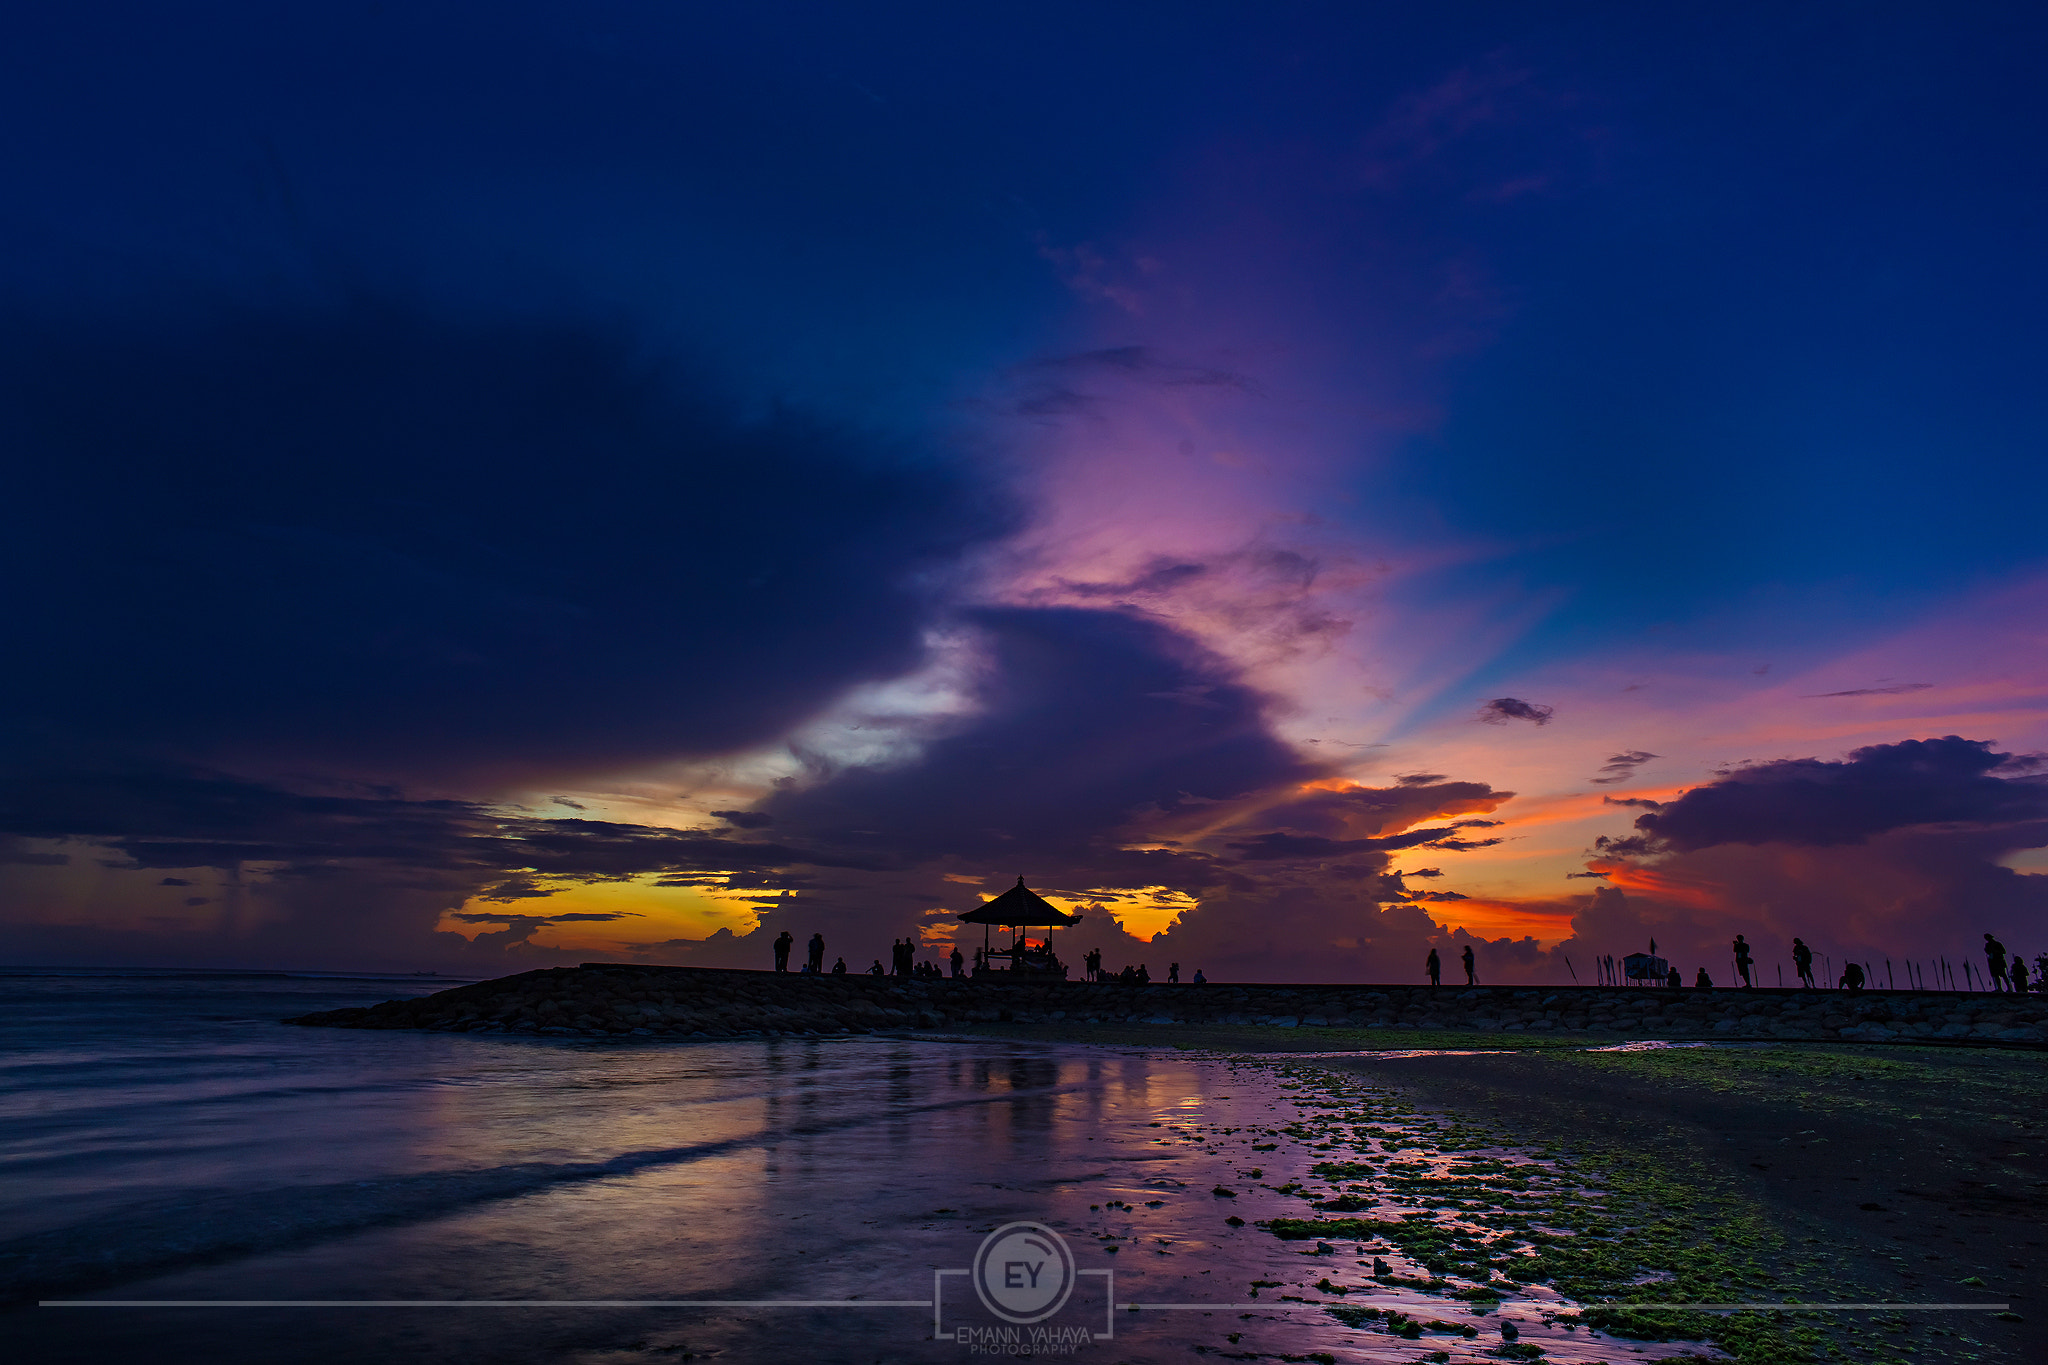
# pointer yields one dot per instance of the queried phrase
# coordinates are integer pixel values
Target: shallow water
(166, 1140)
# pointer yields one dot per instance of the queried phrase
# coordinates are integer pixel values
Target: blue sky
(1566, 347)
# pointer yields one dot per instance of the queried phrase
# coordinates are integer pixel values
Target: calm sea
(272, 1193)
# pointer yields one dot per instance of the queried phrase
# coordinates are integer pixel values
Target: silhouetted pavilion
(1021, 908)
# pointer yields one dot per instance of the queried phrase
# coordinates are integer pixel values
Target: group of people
(2004, 971)
(903, 961)
(2014, 977)
(902, 958)
(1140, 975)
(1434, 965)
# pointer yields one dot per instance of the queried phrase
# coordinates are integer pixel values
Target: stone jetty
(615, 1000)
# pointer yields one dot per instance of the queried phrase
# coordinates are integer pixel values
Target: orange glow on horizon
(1481, 918)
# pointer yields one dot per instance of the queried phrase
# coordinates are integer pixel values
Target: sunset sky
(498, 485)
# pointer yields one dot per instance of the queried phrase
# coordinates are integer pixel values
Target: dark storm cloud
(1880, 788)
(1501, 710)
(1143, 363)
(1376, 810)
(745, 819)
(1891, 691)
(1087, 720)
(372, 539)
(165, 817)
(519, 929)
(13, 856)
(1269, 847)
(1160, 576)
(1621, 767)
(1085, 382)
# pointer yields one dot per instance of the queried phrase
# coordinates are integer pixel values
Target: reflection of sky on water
(323, 1164)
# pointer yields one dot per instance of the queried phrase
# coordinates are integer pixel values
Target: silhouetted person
(1434, 965)
(2019, 975)
(1144, 978)
(1702, 982)
(839, 967)
(1852, 977)
(1673, 979)
(1471, 972)
(876, 970)
(1994, 954)
(959, 962)
(1200, 980)
(817, 947)
(1093, 962)
(900, 955)
(782, 946)
(1173, 973)
(1802, 958)
(1742, 960)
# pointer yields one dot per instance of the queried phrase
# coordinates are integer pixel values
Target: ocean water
(187, 1179)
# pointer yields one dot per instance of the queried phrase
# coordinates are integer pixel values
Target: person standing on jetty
(1471, 973)
(1994, 956)
(2019, 975)
(1435, 967)
(817, 947)
(1802, 959)
(1091, 962)
(782, 946)
(1742, 960)
(959, 962)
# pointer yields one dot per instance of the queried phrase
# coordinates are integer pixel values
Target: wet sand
(1889, 1173)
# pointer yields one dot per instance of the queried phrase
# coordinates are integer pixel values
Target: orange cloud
(1677, 888)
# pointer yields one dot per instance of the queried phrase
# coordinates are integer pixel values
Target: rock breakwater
(618, 1000)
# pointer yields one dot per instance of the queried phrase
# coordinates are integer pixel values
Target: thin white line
(931, 1303)
(1828, 1307)
(484, 1303)
(1292, 1304)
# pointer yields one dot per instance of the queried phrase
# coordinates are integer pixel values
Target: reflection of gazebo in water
(1022, 909)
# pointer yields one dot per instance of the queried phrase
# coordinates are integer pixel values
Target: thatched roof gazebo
(1021, 908)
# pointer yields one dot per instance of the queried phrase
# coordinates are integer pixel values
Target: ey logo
(1023, 1272)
